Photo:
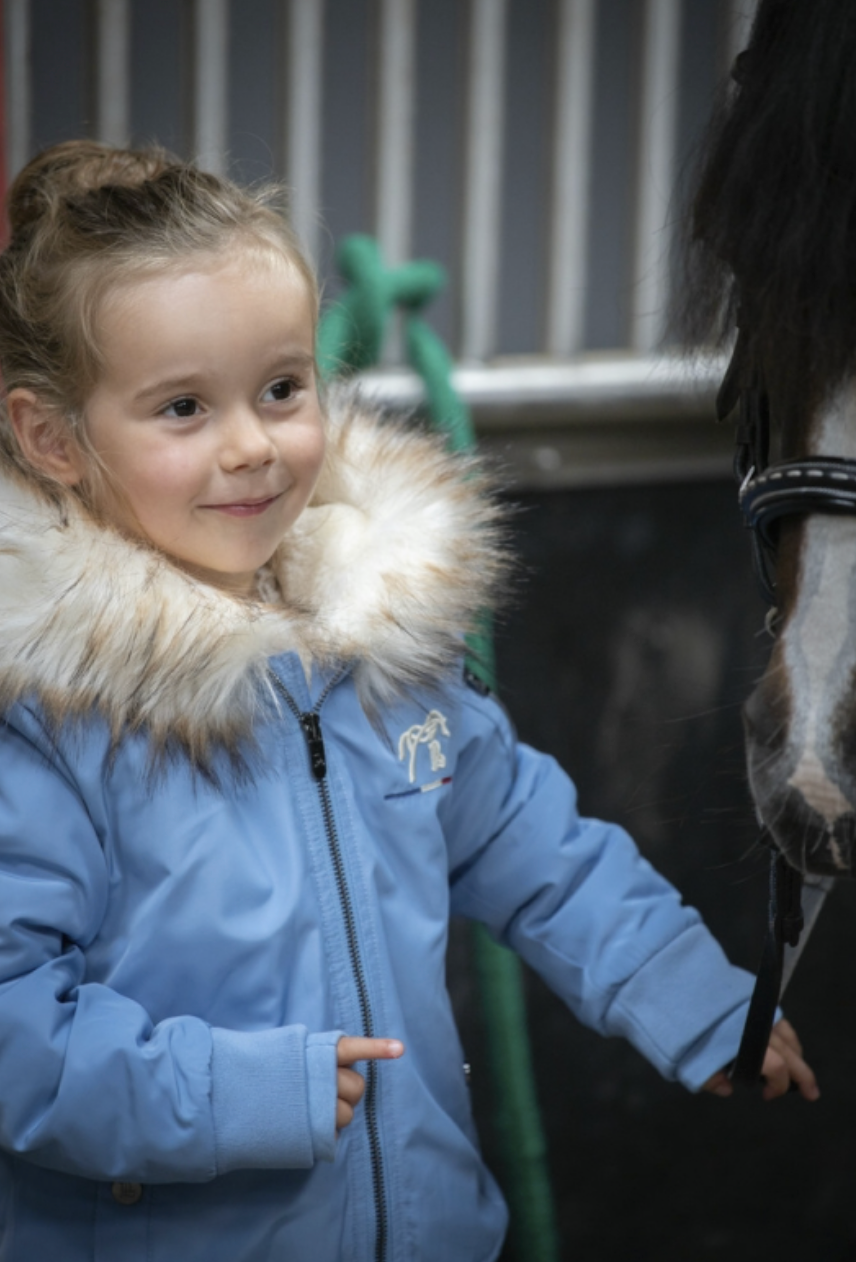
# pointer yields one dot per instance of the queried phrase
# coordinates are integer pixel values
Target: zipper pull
(311, 724)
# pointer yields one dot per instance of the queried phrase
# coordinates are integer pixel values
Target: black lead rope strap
(784, 926)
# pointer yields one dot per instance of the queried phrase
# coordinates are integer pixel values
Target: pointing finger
(350, 1049)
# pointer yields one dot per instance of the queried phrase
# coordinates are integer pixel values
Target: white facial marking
(819, 647)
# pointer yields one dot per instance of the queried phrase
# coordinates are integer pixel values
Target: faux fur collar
(384, 570)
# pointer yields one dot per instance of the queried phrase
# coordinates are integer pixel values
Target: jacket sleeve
(577, 901)
(88, 1083)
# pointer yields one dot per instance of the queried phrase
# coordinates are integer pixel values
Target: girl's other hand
(350, 1084)
(783, 1068)
(784, 1065)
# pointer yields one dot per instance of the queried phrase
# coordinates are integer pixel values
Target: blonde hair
(85, 218)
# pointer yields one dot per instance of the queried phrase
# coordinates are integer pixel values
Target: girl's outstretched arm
(575, 898)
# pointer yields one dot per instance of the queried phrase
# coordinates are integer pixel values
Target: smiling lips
(244, 508)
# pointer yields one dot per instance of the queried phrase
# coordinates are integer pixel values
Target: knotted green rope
(351, 337)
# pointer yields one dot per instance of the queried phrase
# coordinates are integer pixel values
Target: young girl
(243, 781)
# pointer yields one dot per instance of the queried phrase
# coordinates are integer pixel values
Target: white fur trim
(385, 570)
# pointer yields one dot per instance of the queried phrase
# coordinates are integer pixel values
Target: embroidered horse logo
(424, 734)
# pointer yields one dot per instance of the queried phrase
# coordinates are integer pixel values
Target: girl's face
(206, 418)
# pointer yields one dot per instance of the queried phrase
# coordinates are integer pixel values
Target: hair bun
(72, 169)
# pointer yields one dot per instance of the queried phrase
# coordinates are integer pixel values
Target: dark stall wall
(634, 640)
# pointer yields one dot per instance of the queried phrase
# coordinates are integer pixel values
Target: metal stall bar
(113, 71)
(16, 18)
(567, 283)
(395, 105)
(303, 118)
(210, 83)
(603, 388)
(655, 179)
(483, 186)
(588, 422)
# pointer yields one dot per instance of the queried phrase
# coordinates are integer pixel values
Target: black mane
(772, 232)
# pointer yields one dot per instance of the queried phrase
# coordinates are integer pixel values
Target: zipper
(310, 724)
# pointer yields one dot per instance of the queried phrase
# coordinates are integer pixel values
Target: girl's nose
(246, 444)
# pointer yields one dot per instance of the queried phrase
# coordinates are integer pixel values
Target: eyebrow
(190, 381)
(168, 385)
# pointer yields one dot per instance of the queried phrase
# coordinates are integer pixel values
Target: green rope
(518, 1121)
(352, 332)
(350, 337)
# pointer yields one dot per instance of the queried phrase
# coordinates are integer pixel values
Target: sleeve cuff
(685, 1010)
(717, 1050)
(273, 1098)
(321, 1067)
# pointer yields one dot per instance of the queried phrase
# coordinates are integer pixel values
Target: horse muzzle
(804, 790)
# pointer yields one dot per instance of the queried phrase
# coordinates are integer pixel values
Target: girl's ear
(44, 441)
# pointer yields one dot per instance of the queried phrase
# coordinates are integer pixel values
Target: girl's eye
(281, 391)
(182, 408)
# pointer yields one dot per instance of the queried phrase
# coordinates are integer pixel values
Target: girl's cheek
(319, 448)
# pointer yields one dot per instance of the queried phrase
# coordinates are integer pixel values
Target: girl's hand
(350, 1084)
(783, 1066)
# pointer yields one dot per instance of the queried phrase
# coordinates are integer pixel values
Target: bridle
(791, 488)
(824, 484)
(767, 493)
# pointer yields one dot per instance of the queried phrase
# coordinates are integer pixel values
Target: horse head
(800, 721)
(772, 236)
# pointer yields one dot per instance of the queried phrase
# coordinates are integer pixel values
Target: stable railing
(562, 376)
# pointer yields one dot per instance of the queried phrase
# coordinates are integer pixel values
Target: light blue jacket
(181, 945)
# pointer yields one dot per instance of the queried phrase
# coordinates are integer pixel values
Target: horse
(772, 251)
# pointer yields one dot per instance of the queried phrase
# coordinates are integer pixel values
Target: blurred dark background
(638, 635)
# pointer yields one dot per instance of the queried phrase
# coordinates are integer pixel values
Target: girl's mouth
(244, 508)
